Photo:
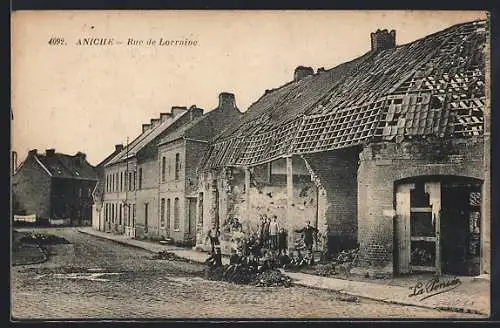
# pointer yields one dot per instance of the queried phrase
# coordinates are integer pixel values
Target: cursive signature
(433, 287)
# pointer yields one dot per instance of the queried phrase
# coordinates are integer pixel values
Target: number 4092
(56, 41)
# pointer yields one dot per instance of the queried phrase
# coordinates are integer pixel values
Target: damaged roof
(432, 86)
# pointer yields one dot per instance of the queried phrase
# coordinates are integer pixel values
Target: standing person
(273, 232)
(214, 234)
(308, 232)
(282, 241)
(267, 223)
(262, 224)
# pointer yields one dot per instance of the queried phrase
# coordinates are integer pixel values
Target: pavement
(470, 295)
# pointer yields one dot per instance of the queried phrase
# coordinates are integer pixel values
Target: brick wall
(32, 188)
(382, 165)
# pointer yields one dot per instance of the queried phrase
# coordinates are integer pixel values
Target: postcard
(250, 165)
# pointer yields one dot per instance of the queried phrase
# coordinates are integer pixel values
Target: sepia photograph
(230, 164)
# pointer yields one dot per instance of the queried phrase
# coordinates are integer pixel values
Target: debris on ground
(273, 278)
(348, 298)
(170, 256)
(244, 275)
(325, 270)
(42, 239)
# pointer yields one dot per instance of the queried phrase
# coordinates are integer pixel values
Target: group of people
(271, 235)
(267, 250)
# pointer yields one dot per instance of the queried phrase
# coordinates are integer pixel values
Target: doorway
(460, 227)
(191, 224)
(437, 226)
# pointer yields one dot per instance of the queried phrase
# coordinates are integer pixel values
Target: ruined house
(389, 151)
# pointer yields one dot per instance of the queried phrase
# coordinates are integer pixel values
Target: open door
(418, 208)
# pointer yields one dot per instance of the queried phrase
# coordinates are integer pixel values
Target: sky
(89, 98)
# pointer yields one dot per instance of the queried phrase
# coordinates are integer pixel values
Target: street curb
(446, 309)
(116, 241)
(343, 292)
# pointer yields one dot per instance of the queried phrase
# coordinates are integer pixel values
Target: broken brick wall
(382, 165)
(336, 172)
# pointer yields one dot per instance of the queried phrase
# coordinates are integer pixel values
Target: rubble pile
(273, 278)
(166, 255)
(42, 239)
(347, 256)
(214, 273)
(243, 275)
(238, 275)
(325, 270)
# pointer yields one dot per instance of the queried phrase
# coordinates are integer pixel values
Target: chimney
(50, 152)
(227, 100)
(155, 122)
(195, 112)
(383, 40)
(145, 127)
(118, 147)
(320, 70)
(33, 152)
(81, 155)
(177, 110)
(165, 116)
(301, 72)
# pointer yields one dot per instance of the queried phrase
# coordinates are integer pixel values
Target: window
(133, 215)
(112, 213)
(89, 192)
(177, 221)
(162, 212)
(121, 181)
(177, 166)
(120, 216)
(140, 178)
(106, 184)
(168, 214)
(125, 180)
(135, 178)
(145, 216)
(80, 192)
(163, 167)
(130, 181)
(169, 167)
(106, 212)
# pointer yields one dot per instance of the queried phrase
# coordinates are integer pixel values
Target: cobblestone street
(98, 279)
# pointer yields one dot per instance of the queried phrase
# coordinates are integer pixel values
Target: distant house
(55, 187)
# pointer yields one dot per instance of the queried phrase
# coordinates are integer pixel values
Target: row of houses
(389, 152)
